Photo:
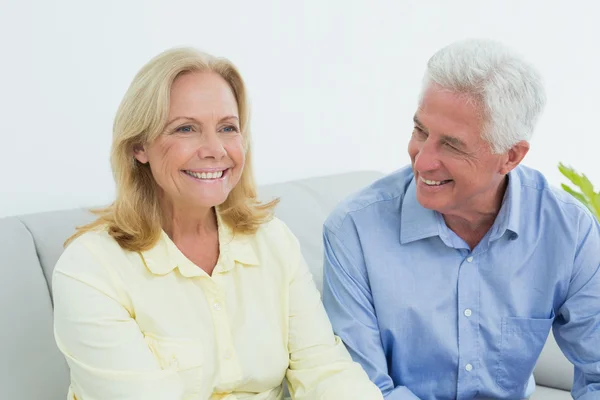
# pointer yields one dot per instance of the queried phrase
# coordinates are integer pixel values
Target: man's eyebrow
(419, 124)
(454, 141)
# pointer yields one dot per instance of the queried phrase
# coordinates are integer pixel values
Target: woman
(187, 287)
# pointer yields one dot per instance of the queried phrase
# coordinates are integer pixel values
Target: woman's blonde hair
(134, 218)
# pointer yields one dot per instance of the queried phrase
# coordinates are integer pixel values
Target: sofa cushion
(305, 204)
(50, 230)
(31, 367)
(546, 393)
(553, 369)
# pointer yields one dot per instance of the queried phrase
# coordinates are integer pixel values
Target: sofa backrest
(31, 365)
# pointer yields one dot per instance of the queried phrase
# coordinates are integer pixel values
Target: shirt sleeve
(577, 326)
(101, 341)
(349, 304)
(320, 366)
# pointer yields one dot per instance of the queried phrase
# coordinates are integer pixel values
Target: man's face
(454, 167)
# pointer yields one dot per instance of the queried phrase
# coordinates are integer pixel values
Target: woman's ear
(139, 153)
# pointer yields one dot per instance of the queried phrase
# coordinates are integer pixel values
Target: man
(444, 279)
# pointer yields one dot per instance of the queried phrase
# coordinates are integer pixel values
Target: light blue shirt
(430, 319)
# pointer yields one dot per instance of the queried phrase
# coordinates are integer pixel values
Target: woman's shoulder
(275, 240)
(94, 260)
(98, 237)
(275, 230)
(94, 247)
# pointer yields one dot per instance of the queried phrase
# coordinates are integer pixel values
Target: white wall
(333, 83)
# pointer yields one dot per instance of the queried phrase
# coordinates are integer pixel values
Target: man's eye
(449, 146)
(419, 132)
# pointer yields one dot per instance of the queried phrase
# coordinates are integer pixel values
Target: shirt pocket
(175, 354)
(521, 344)
(183, 356)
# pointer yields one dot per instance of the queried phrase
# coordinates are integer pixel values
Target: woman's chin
(209, 201)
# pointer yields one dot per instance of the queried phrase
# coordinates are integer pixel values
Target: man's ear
(516, 154)
(139, 153)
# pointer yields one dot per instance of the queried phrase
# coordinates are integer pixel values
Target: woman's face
(199, 158)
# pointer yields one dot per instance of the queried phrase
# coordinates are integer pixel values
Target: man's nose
(427, 159)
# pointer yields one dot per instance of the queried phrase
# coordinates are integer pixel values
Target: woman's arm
(320, 366)
(97, 333)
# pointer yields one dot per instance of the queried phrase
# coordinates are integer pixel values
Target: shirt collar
(510, 212)
(164, 257)
(418, 222)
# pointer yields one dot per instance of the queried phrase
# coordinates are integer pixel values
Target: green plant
(587, 196)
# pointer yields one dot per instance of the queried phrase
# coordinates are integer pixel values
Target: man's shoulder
(388, 188)
(534, 183)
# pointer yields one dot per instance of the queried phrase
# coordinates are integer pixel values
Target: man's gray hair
(509, 90)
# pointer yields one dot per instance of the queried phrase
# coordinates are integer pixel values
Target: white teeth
(205, 175)
(431, 183)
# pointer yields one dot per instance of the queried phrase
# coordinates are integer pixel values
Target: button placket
(468, 300)
(230, 368)
(174, 362)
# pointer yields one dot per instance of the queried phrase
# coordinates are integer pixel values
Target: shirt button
(469, 367)
(173, 362)
(217, 306)
(468, 312)
(469, 259)
(227, 354)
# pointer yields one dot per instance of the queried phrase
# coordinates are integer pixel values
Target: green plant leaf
(575, 194)
(587, 188)
(587, 196)
(569, 173)
(596, 204)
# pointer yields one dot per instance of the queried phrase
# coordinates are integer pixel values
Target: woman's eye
(230, 129)
(185, 128)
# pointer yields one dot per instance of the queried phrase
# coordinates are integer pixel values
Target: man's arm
(349, 304)
(577, 326)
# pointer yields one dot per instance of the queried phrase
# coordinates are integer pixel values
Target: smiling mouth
(434, 183)
(207, 176)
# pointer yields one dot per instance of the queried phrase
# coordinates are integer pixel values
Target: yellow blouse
(154, 326)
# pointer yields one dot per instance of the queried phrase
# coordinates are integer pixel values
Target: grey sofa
(31, 367)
